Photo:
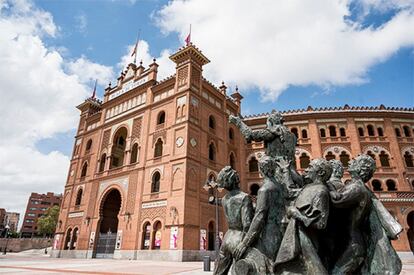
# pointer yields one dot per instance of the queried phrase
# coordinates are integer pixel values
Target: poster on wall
(203, 239)
(173, 237)
(157, 241)
(118, 240)
(56, 242)
(91, 240)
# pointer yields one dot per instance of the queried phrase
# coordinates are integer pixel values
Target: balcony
(395, 196)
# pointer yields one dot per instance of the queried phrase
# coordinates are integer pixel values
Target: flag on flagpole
(94, 89)
(188, 39)
(134, 52)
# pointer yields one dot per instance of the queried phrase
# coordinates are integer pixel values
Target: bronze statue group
(304, 224)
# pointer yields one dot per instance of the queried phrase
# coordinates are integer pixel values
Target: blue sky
(281, 54)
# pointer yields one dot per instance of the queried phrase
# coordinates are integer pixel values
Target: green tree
(47, 223)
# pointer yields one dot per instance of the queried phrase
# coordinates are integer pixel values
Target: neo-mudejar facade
(142, 155)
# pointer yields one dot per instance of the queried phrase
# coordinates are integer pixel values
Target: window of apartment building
(408, 158)
(102, 163)
(376, 185)
(84, 170)
(118, 148)
(304, 160)
(29, 221)
(295, 132)
(231, 134)
(32, 208)
(344, 158)
(360, 131)
(31, 215)
(397, 132)
(304, 133)
(211, 122)
(88, 145)
(384, 159)
(158, 148)
(406, 130)
(332, 131)
(79, 197)
(380, 132)
(329, 156)
(391, 186)
(161, 118)
(253, 165)
(342, 132)
(212, 152)
(155, 184)
(134, 153)
(322, 132)
(370, 130)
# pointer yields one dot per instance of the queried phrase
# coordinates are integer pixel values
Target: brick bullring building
(141, 157)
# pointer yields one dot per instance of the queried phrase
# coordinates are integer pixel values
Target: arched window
(397, 132)
(212, 152)
(253, 165)
(161, 118)
(156, 244)
(384, 159)
(304, 133)
(370, 130)
(376, 185)
(360, 131)
(158, 148)
(79, 197)
(254, 188)
(84, 170)
(407, 132)
(391, 186)
(146, 235)
(211, 122)
(380, 132)
(232, 161)
(344, 158)
(134, 153)
(342, 132)
(155, 185)
(295, 132)
(231, 134)
(118, 148)
(329, 156)
(322, 132)
(67, 239)
(332, 131)
(369, 153)
(74, 240)
(88, 145)
(102, 163)
(304, 161)
(408, 159)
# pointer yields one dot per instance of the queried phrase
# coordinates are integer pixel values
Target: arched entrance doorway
(410, 232)
(211, 236)
(108, 224)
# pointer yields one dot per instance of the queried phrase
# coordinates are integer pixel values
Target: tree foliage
(47, 223)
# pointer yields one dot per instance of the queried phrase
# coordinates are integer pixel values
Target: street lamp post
(214, 199)
(7, 227)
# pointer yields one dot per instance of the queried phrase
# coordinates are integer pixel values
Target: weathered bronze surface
(312, 223)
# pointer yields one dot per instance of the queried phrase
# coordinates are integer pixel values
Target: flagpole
(136, 47)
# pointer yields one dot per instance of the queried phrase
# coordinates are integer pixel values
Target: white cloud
(166, 66)
(272, 45)
(81, 22)
(39, 90)
(87, 71)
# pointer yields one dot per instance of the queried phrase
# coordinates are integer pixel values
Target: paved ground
(36, 263)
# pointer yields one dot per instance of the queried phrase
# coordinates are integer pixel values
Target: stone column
(315, 139)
